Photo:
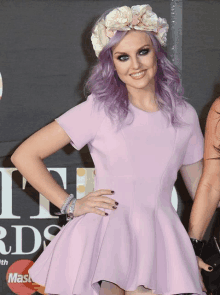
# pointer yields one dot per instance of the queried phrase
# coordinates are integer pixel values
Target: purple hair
(109, 90)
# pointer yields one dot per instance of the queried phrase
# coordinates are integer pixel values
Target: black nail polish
(210, 268)
(116, 203)
(114, 207)
(112, 192)
(106, 214)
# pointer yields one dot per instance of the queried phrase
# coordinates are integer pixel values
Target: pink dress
(143, 241)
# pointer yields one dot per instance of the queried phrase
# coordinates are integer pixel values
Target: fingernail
(116, 203)
(210, 268)
(114, 207)
(106, 214)
(112, 192)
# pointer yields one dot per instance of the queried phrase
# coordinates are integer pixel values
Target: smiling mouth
(138, 75)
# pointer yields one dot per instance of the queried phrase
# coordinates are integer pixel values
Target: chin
(140, 85)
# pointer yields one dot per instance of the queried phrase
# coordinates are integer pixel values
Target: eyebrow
(137, 50)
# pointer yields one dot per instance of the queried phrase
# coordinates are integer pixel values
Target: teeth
(138, 74)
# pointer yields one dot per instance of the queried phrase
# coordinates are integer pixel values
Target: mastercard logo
(19, 280)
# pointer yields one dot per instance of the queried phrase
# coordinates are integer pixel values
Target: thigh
(139, 291)
(108, 288)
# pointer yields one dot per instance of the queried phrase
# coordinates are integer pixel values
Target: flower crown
(138, 17)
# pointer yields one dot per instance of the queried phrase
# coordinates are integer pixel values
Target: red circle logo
(18, 279)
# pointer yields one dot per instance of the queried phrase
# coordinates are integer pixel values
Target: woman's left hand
(206, 267)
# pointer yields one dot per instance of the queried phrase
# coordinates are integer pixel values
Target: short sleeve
(81, 123)
(195, 146)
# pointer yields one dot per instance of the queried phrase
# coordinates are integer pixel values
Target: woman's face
(135, 60)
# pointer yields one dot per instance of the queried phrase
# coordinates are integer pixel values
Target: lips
(138, 75)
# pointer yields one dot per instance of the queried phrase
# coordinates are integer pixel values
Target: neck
(143, 98)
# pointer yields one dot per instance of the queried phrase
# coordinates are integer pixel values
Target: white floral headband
(138, 17)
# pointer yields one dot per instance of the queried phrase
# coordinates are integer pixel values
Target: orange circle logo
(18, 279)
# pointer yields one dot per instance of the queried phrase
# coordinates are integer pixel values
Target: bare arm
(191, 175)
(28, 158)
(208, 193)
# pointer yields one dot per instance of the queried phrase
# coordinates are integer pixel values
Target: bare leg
(139, 291)
(109, 288)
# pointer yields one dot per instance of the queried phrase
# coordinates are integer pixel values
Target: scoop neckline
(151, 113)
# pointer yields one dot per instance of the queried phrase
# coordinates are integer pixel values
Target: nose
(135, 63)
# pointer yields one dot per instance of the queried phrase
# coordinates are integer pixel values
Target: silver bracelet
(70, 215)
(66, 203)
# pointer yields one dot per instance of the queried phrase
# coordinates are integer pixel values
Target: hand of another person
(90, 202)
(206, 267)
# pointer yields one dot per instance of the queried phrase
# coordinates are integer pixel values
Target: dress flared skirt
(120, 248)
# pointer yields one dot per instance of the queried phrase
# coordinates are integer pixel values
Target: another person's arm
(191, 175)
(208, 192)
(192, 171)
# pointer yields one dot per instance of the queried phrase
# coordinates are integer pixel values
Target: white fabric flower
(99, 38)
(119, 19)
(162, 30)
(138, 17)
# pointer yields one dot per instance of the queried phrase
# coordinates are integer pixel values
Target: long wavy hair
(111, 92)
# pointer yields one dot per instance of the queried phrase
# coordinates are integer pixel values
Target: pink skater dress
(143, 241)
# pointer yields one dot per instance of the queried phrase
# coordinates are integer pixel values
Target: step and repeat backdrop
(45, 58)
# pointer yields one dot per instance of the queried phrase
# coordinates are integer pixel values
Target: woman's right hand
(90, 202)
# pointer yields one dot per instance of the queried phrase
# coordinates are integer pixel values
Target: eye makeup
(125, 56)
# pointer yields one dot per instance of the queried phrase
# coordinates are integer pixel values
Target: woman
(140, 132)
